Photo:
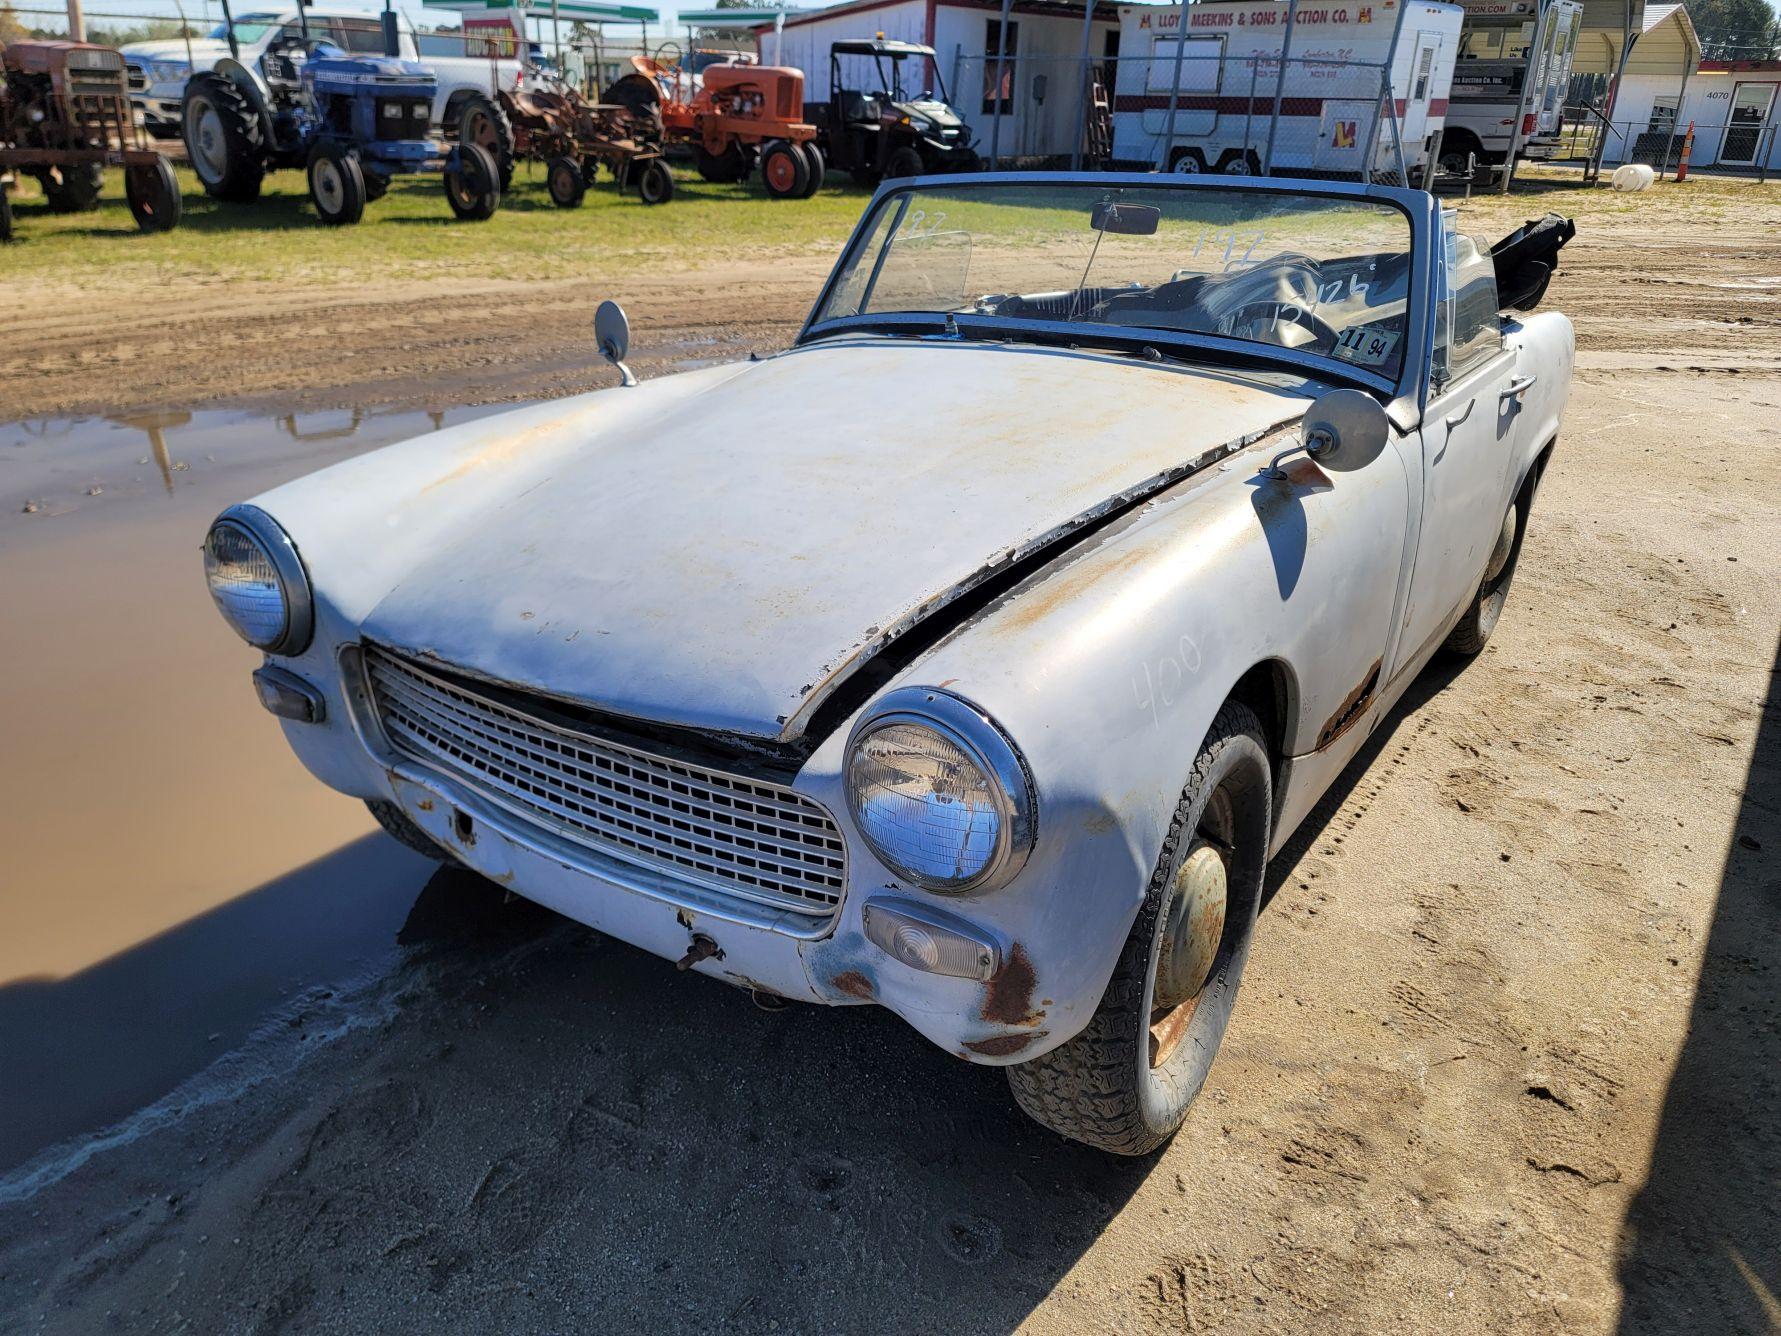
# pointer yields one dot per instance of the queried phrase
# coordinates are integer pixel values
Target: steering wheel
(1263, 322)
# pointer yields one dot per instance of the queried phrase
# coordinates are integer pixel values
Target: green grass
(410, 233)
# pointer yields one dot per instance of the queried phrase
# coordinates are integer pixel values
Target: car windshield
(248, 28)
(1326, 275)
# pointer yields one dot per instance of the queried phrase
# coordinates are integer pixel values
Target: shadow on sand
(1701, 1247)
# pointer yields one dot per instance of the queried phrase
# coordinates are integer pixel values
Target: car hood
(729, 566)
(204, 50)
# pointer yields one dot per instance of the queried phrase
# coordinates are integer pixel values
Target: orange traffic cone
(1687, 148)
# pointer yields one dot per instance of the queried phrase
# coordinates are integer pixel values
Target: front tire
(473, 187)
(336, 185)
(1125, 1082)
(819, 169)
(153, 196)
(902, 162)
(784, 172)
(403, 830)
(222, 138)
(1473, 629)
(483, 122)
(567, 186)
(655, 185)
(74, 189)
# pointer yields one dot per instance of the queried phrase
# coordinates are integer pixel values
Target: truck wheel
(817, 168)
(656, 184)
(726, 168)
(403, 829)
(336, 185)
(473, 187)
(482, 122)
(222, 136)
(153, 196)
(74, 189)
(902, 162)
(1124, 1084)
(565, 182)
(1486, 608)
(1188, 162)
(783, 170)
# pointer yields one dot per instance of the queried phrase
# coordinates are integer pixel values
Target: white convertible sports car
(972, 656)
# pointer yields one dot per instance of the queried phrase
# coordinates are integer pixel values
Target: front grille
(740, 837)
(138, 77)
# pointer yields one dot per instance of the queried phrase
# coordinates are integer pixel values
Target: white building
(1040, 79)
(1733, 105)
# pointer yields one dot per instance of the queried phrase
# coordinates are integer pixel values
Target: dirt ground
(1508, 1057)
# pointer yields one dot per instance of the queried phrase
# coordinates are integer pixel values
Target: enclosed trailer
(1346, 90)
(1510, 81)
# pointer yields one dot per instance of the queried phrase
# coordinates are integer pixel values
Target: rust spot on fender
(425, 804)
(1004, 1045)
(1008, 998)
(855, 984)
(1353, 706)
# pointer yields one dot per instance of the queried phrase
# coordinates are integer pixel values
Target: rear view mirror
(1345, 430)
(1125, 220)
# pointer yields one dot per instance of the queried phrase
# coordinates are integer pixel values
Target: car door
(1468, 444)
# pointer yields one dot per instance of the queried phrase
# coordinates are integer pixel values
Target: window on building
(998, 75)
(1663, 116)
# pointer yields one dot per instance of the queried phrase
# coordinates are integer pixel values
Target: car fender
(1107, 668)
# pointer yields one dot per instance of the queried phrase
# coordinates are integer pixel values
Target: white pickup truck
(159, 70)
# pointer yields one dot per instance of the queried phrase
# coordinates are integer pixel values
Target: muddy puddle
(171, 876)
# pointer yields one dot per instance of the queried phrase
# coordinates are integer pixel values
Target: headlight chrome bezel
(982, 740)
(299, 605)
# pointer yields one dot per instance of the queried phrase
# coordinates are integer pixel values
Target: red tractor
(65, 116)
(732, 115)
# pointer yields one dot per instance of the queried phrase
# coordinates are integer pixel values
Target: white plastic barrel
(1632, 177)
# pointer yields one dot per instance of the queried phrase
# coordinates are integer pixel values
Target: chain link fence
(1741, 147)
(1240, 115)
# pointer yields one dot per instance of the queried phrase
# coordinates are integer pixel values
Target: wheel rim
(210, 154)
(1187, 165)
(480, 128)
(1194, 928)
(781, 171)
(328, 184)
(561, 185)
(1237, 167)
(1495, 591)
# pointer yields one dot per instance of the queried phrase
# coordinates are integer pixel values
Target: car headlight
(939, 792)
(258, 582)
(166, 71)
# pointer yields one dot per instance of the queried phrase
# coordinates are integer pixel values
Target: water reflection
(171, 870)
(56, 466)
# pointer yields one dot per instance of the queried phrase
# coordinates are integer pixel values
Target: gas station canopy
(729, 18)
(586, 11)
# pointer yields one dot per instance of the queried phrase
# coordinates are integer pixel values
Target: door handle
(1457, 419)
(1518, 387)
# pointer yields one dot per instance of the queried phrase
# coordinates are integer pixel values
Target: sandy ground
(1508, 1057)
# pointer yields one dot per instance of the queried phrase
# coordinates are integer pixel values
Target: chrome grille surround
(741, 838)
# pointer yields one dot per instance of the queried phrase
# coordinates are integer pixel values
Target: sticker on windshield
(1366, 344)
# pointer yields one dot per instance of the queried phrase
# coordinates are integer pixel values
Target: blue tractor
(353, 121)
(371, 118)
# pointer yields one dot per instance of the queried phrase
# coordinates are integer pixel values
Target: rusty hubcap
(1193, 927)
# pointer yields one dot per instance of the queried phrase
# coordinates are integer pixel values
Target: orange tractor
(732, 115)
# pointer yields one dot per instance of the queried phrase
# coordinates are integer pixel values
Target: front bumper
(1049, 976)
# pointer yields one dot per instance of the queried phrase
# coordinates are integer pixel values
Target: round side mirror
(1345, 430)
(612, 331)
